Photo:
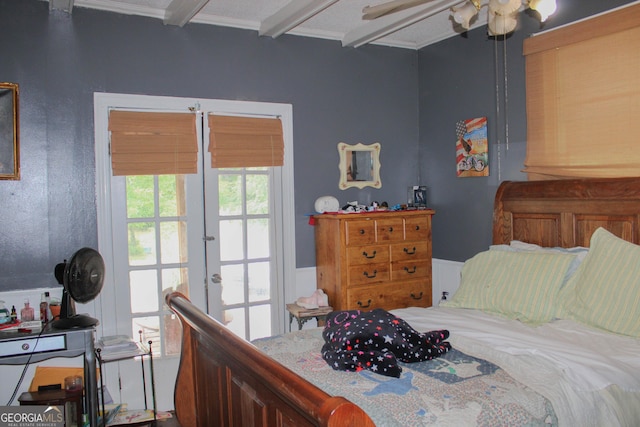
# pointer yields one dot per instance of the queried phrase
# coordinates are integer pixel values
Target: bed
(557, 346)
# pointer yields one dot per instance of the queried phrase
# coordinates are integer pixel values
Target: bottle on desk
(45, 310)
(47, 298)
(26, 314)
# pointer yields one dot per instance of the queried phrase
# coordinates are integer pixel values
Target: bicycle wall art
(472, 148)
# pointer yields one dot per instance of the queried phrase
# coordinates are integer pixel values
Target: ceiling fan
(377, 11)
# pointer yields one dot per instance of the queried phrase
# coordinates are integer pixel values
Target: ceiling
(341, 20)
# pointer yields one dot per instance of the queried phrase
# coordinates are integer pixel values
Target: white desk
(21, 348)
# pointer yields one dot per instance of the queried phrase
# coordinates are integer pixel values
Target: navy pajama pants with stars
(375, 340)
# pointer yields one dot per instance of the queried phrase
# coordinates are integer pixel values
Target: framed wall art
(472, 148)
(9, 140)
(417, 196)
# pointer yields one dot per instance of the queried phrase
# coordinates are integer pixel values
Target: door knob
(216, 278)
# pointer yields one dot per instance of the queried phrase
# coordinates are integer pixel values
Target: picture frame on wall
(9, 140)
(472, 148)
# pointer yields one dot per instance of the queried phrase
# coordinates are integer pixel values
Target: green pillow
(605, 290)
(518, 285)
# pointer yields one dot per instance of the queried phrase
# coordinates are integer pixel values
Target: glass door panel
(242, 219)
(158, 227)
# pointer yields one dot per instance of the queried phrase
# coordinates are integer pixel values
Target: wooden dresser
(374, 260)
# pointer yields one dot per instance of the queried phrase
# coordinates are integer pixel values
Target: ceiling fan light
(463, 14)
(501, 24)
(544, 7)
(504, 7)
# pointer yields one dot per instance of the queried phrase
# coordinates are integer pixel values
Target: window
(582, 98)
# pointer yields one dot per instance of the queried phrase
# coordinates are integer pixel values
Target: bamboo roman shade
(583, 98)
(245, 141)
(152, 143)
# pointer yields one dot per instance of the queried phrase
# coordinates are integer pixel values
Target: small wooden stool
(55, 398)
(304, 314)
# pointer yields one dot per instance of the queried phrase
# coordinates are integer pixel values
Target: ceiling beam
(373, 12)
(292, 15)
(179, 12)
(388, 24)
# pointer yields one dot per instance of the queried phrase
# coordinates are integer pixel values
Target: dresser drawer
(367, 254)
(406, 270)
(417, 228)
(360, 232)
(389, 296)
(390, 230)
(410, 250)
(368, 273)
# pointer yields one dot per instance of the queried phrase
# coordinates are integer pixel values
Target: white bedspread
(591, 377)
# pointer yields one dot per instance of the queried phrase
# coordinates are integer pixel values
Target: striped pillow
(518, 285)
(605, 290)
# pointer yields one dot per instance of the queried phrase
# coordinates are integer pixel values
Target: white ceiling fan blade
(373, 12)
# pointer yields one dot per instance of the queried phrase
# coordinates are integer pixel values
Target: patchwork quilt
(455, 389)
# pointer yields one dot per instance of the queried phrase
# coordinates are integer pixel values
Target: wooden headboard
(566, 212)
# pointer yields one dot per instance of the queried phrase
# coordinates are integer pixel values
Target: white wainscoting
(446, 278)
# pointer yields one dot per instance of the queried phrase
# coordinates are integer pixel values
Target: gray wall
(337, 94)
(59, 61)
(457, 82)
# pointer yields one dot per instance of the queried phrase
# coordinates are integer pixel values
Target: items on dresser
(375, 260)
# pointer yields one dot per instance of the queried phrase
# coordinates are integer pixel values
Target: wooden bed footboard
(225, 381)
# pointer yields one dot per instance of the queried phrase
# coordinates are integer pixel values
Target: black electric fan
(82, 279)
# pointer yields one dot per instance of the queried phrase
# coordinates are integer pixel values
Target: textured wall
(409, 101)
(352, 95)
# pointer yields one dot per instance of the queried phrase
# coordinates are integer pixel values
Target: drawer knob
(417, 227)
(361, 305)
(410, 251)
(375, 273)
(410, 271)
(416, 297)
(366, 255)
(390, 229)
(361, 231)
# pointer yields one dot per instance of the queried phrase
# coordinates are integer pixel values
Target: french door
(242, 257)
(230, 269)
(217, 236)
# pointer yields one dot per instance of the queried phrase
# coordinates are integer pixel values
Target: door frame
(103, 102)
